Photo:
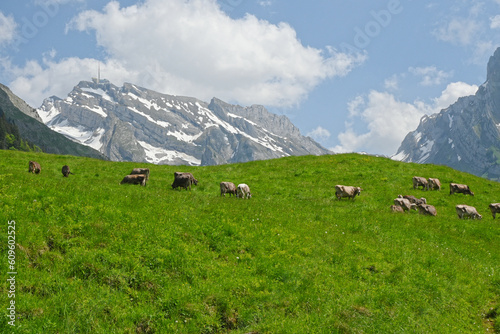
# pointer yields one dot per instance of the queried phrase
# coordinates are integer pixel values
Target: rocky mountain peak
(466, 135)
(132, 123)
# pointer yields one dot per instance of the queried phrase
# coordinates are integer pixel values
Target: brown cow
(144, 171)
(433, 184)
(426, 209)
(346, 191)
(419, 181)
(467, 211)
(227, 188)
(191, 177)
(460, 188)
(495, 208)
(34, 167)
(135, 179)
(66, 171)
(182, 181)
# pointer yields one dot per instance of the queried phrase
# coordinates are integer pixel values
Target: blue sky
(357, 76)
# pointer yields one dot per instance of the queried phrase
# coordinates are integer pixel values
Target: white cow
(467, 211)
(346, 191)
(243, 191)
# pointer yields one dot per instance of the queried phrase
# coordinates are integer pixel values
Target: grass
(94, 256)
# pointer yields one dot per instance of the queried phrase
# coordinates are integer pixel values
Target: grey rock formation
(464, 136)
(132, 123)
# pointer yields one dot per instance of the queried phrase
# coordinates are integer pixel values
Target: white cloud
(193, 48)
(36, 81)
(388, 120)
(8, 28)
(319, 134)
(392, 83)
(451, 94)
(495, 22)
(265, 3)
(459, 31)
(430, 75)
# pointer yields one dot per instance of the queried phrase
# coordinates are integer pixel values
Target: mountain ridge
(132, 123)
(464, 136)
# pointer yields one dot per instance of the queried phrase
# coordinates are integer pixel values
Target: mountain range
(32, 129)
(132, 123)
(464, 136)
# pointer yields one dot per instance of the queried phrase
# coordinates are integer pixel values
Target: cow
(189, 175)
(404, 203)
(243, 191)
(346, 191)
(182, 181)
(433, 184)
(227, 188)
(144, 171)
(419, 181)
(467, 211)
(414, 200)
(426, 209)
(34, 167)
(495, 208)
(135, 179)
(460, 188)
(65, 171)
(396, 208)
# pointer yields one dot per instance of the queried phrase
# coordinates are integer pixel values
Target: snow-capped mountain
(31, 129)
(132, 123)
(464, 136)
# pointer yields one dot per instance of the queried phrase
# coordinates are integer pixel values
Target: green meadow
(94, 256)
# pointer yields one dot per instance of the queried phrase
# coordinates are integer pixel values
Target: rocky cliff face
(131, 123)
(466, 135)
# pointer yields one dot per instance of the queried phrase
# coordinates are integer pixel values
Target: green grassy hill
(93, 256)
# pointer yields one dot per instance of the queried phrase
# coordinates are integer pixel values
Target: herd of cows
(409, 202)
(401, 203)
(181, 180)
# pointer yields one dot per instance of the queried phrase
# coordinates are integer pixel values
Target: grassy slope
(98, 257)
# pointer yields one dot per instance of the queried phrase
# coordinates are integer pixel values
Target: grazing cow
(433, 184)
(66, 171)
(346, 191)
(396, 208)
(414, 200)
(403, 203)
(227, 188)
(460, 188)
(419, 181)
(243, 191)
(426, 209)
(189, 175)
(135, 179)
(467, 211)
(495, 208)
(34, 167)
(144, 171)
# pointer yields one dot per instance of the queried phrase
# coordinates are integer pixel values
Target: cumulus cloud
(389, 120)
(319, 134)
(194, 48)
(36, 81)
(430, 75)
(8, 28)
